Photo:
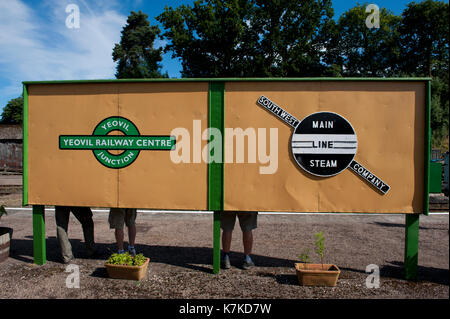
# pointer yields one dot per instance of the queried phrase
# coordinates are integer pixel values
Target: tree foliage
(212, 38)
(291, 36)
(360, 51)
(135, 54)
(247, 38)
(424, 36)
(423, 43)
(12, 112)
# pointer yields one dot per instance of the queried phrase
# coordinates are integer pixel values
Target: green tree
(247, 37)
(360, 51)
(293, 41)
(208, 37)
(12, 112)
(135, 54)
(424, 36)
(439, 113)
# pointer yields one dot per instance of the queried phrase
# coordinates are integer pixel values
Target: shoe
(132, 251)
(121, 251)
(226, 262)
(67, 260)
(248, 264)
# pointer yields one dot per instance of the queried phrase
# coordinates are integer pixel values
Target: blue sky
(35, 43)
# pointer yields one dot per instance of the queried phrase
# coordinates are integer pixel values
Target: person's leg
(118, 232)
(62, 214)
(247, 239)
(116, 222)
(227, 221)
(84, 216)
(131, 235)
(227, 235)
(248, 222)
(130, 218)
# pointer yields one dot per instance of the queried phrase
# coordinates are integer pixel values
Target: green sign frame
(216, 170)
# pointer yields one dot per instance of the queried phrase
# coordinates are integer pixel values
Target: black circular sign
(324, 144)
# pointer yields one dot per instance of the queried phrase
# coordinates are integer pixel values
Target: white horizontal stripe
(323, 151)
(324, 137)
(314, 144)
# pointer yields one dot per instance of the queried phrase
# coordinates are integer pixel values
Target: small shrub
(320, 245)
(304, 257)
(126, 259)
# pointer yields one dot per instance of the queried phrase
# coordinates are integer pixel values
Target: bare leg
(131, 235)
(226, 240)
(247, 239)
(119, 238)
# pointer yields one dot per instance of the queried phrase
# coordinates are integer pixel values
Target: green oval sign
(108, 125)
(131, 142)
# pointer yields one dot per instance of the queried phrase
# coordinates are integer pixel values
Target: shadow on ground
(395, 270)
(196, 258)
(384, 224)
(188, 257)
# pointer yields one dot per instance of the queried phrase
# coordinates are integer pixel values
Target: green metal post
(215, 169)
(427, 155)
(39, 249)
(216, 243)
(411, 246)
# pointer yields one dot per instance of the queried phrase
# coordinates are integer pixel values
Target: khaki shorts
(119, 216)
(247, 220)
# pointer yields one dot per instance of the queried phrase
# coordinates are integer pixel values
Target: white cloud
(35, 43)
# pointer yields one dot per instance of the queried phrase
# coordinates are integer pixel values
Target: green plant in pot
(5, 237)
(322, 274)
(304, 258)
(126, 266)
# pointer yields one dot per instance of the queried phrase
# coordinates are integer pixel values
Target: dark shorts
(247, 220)
(119, 216)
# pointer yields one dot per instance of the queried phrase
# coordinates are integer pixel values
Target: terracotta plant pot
(127, 272)
(5, 242)
(316, 275)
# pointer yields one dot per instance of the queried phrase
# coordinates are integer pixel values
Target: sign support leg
(411, 246)
(39, 246)
(216, 243)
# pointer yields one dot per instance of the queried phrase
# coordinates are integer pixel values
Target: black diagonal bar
(278, 111)
(371, 178)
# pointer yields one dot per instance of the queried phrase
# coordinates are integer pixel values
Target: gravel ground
(180, 251)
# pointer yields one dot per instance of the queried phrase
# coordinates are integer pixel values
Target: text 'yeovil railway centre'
(116, 142)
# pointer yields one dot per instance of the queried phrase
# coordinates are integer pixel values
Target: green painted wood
(435, 177)
(228, 80)
(39, 247)
(215, 170)
(411, 246)
(216, 243)
(25, 147)
(427, 155)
